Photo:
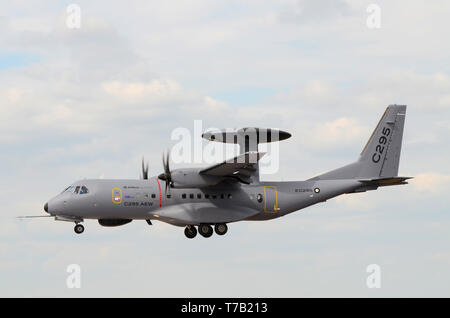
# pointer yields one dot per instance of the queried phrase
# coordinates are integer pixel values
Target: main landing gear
(205, 230)
(190, 231)
(221, 228)
(79, 228)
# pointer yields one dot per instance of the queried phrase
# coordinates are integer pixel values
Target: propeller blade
(166, 164)
(168, 160)
(162, 176)
(167, 170)
(166, 176)
(144, 170)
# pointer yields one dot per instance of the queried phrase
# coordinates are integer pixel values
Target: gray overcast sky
(89, 102)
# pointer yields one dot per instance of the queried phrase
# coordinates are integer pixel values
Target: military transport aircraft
(203, 198)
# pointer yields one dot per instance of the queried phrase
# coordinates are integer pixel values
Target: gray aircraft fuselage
(230, 191)
(225, 203)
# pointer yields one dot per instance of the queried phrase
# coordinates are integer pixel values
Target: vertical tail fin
(381, 155)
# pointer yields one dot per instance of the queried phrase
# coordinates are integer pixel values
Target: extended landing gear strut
(79, 228)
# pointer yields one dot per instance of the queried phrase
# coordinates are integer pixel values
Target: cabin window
(153, 195)
(230, 196)
(214, 196)
(83, 190)
(168, 196)
(206, 196)
(191, 196)
(222, 196)
(183, 195)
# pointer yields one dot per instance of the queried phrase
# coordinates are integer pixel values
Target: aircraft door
(270, 199)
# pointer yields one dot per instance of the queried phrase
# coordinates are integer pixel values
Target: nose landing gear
(79, 229)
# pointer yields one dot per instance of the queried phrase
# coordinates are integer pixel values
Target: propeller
(166, 176)
(144, 170)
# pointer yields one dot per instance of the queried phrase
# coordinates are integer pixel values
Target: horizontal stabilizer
(382, 182)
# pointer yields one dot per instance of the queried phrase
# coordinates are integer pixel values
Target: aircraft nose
(46, 207)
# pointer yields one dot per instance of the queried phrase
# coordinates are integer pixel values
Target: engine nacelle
(191, 178)
(113, 222)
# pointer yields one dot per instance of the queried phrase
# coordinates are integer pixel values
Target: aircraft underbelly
(196, 213)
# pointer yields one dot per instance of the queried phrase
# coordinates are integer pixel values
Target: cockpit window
(69, 189)
(83, 190)
(65, 189)
(76, 189)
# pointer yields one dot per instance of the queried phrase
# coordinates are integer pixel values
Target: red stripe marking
(160, 194)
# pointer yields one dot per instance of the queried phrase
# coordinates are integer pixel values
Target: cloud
(212, 104)
(342, 131)
(150, 92)
(94, 100)
(431, 182)
(428, 91)
(309, 11)
(355, 202)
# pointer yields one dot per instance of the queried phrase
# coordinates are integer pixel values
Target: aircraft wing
(240, 167)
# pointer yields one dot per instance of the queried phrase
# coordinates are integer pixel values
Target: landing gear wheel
(205, 230)
(190, 231)
(79, 229)
(221, 228)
